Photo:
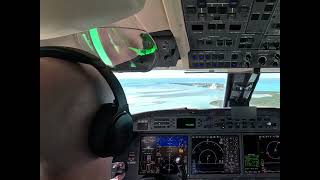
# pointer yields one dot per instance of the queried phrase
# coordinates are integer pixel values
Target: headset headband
(80, 56)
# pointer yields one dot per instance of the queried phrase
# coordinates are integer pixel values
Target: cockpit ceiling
(159, 15)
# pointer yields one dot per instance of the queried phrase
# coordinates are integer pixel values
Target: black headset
(111, 130)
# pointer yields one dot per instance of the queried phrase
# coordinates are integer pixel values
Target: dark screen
(185, 123)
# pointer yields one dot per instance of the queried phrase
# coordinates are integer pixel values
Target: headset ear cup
(110, 133)
(101, 128)
(121, 134)
(111, 129)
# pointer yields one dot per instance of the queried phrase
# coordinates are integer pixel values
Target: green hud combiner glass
(123, 49)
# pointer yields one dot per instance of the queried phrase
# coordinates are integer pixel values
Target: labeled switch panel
(233, 33)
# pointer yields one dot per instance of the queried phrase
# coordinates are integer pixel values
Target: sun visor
(61, 17)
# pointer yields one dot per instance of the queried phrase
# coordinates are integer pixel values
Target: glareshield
(120, 48)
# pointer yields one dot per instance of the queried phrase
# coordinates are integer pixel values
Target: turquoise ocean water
(168, 93)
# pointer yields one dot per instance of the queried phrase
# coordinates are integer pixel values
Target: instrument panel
(232, 33)
(215, 155)
(261, 153)
(158, 153)
(206, 153)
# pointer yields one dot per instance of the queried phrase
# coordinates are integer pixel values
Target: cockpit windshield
(267, 91)
(172, 89)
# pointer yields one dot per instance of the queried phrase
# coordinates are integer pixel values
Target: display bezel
(186, 123)
(159, 135)
(188, 168)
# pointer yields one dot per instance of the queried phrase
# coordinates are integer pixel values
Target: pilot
(71, 93)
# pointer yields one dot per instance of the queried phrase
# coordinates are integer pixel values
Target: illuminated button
(180, 151)
(194, 56)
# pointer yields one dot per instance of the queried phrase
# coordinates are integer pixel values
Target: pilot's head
(72, 93)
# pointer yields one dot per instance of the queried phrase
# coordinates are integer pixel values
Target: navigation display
(261, 154)
(215, 155)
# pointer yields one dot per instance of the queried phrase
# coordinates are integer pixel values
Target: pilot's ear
(61, 17)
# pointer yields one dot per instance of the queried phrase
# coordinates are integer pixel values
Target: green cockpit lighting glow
(84, 36)
(99, 47)
(143, 52)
